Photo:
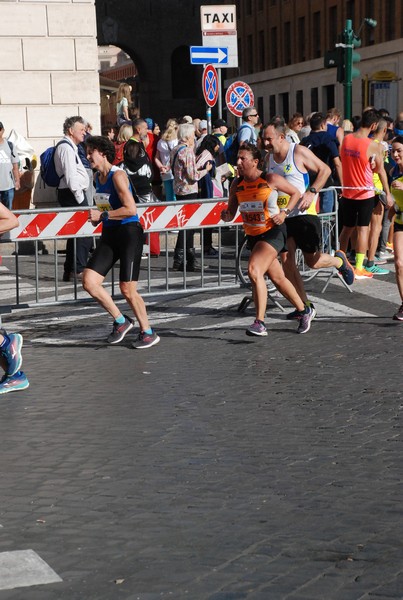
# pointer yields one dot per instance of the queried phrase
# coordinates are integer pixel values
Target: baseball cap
(220, 123)
(187, 119)
(202, 124)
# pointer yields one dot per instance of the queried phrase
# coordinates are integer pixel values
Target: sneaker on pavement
(399, 315)
(257, 328)
(383, 255)
(295, 315)
(12, 353)
(375, 270)
(345, 269)
(305, 320)
(145, 340)
(119, 330)
(13, 383)
(362, 274)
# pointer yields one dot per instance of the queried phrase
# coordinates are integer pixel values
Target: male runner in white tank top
(293, 162)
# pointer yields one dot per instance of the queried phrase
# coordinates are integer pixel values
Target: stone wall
(48, 70)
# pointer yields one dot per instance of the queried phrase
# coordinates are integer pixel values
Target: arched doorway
(115, 67)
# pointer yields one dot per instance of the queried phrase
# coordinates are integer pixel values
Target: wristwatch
(104, 216)
(313, 190)
(285, 210)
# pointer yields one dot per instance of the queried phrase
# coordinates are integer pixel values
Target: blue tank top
(111, 196)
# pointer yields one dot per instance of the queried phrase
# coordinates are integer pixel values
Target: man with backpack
(246, 134)
(73, 182)
(9, 171)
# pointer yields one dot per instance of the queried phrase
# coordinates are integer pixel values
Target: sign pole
(208, 118)
(219, 94)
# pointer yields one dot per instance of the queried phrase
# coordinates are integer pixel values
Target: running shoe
(119, 330)
(257, 328)
(295, 315)
(305, 320)
(362, 274)
(389, 247)
(380, 259)
(145, 340)
(345, 269)
(13, 383)
(399, 315)
(12, 353)
(375, 270)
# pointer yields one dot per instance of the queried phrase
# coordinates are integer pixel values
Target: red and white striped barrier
(40, 225)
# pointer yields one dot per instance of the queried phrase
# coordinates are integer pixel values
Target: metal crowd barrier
(40, 239)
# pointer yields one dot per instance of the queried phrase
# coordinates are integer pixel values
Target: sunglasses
(255, 115)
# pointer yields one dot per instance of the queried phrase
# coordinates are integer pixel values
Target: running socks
(120, 319)
(359, 261)
(148, 331)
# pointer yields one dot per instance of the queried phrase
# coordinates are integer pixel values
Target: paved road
(213, 466)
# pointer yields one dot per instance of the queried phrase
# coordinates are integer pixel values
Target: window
(368, 33)
(314, 100)
(273, 48)
(332, 26)
(262, 52)
(285, 106)
(260, 108)
(390, 20)
(316, 47)
(272, 105)
(328, 96)
(260, 5)
(287, 43)
(350, 9)
(248, 7)
(301, 40)
(299, 100)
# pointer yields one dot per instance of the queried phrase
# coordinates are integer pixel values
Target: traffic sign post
(238, 97)
(210, 91)
(203, 55)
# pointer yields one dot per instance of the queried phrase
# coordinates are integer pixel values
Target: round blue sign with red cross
(239, 96)
(210, 85)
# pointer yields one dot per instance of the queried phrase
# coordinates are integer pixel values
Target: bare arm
(277, 182)
(229, 213)
(16, 175)
(380, 169)
(306, 159)
(128, 208)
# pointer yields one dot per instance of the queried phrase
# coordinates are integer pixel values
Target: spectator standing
(295, 124)
(124, 135)
(333, 117)
(123, 101)
(165, 145)
(186, 177)
(247, 131)
(71, 191)
(206, 154)
(9, 171)
(138, 164)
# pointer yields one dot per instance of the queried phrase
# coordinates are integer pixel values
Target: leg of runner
(398, 250)
(373, 240)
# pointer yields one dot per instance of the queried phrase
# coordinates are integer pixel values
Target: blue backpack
(48, 170)
(231, 147)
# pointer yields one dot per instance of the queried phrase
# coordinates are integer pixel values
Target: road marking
(23, 568)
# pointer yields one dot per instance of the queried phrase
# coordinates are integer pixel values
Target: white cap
(202, 124)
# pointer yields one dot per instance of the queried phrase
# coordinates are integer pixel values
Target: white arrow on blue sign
(204, 55)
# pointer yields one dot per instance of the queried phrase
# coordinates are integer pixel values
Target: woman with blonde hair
(167, 142)
(295, 124)
(123, 100)
(125, 133)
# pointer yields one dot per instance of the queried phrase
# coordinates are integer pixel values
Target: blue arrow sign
(204, 55)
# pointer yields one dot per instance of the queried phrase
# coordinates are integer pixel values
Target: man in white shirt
(71, 191)
(9, 171)
(247, 132)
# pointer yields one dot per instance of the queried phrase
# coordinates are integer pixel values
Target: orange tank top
(357, 172)
(257, 204)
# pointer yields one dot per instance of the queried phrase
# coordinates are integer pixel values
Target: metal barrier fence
(41, 233)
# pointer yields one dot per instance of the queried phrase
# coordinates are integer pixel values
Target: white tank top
(293, 175)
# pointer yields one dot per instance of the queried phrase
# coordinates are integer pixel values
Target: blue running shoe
(13, 383)
(12, 353)
(295, 315)
(257, 328)
(345, 269)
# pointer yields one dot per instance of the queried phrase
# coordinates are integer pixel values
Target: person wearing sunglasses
(247, 132)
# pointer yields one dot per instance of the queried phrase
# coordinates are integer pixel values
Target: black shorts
(276, 237)
(124, 243)
(397, 227)
(306, 232)
(357, 212)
